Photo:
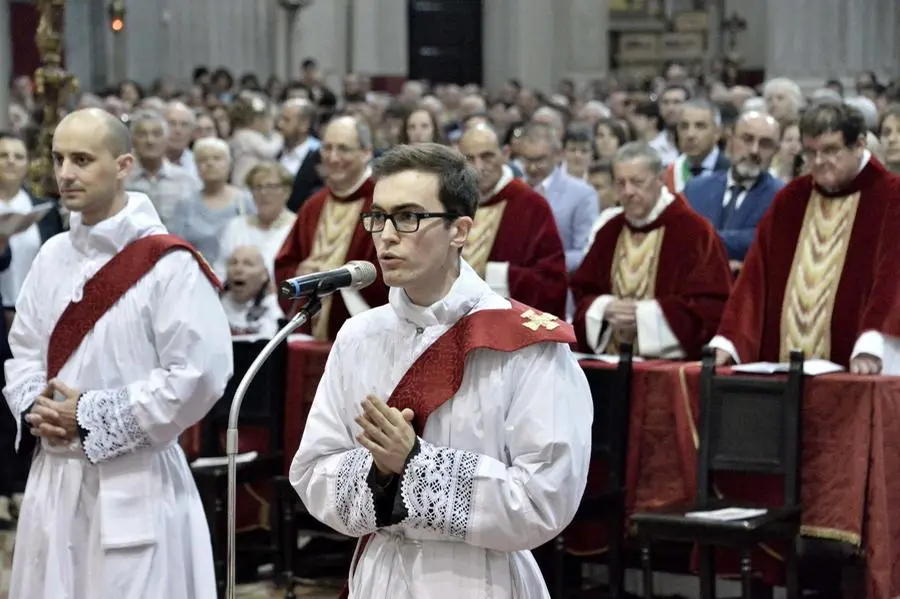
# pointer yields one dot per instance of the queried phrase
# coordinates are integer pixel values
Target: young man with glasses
(451, 428)
(327, 234)
(821, 275)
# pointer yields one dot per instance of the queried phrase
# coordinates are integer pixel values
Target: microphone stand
(310, 309)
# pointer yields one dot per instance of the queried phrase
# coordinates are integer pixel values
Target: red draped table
(851, 452)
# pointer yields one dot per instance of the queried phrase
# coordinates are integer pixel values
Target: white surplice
(118, 517)
(501, 468)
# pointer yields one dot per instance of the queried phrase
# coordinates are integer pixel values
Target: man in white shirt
(119, 344)
(451, 428)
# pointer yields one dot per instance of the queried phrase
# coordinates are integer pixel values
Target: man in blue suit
(735, 200)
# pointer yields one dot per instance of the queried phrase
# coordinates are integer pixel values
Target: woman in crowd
(249, 297)
(609, 136)
(201, 219)
(889, 133)
(421, 126)
(270, 184)
(784, 164)
(254, 138)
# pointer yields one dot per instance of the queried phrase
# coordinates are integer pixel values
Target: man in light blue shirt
(573, 201)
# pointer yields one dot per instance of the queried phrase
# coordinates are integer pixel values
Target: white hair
(700, 104)
(214, 144)
(148, 116)
(825, 95)
(598, 108)
(867, 108)
(176, 105)
(755, 104)
(873, 144)
(789, 86)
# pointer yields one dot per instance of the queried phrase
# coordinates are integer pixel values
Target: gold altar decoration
(53, 87)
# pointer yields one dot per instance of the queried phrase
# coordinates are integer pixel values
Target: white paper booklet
(810, 367)
(609, 359)
(728, 514)
(219, 461)
(16, 222)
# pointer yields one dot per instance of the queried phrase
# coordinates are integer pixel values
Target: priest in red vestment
(657, 274)
(327, 233)
(821, 275)
(514, 244)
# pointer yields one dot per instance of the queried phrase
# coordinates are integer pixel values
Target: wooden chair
(748, 425)
(611, 393)
(263, 408)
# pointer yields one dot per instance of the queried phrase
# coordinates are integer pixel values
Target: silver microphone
(353, 275)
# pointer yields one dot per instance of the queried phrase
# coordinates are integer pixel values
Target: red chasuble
(517, 226)
(310, 234)
(844, 279)
(691, 281)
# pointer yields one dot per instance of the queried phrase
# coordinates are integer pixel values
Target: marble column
(519, 38)
(585, 36)
(5, 63)
(321, 34)
(811, 41)
(381, 37)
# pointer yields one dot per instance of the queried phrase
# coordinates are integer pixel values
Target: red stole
(106, 288)
(529, 241)
(435, 377)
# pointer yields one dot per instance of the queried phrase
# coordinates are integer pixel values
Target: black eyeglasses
(404, 221)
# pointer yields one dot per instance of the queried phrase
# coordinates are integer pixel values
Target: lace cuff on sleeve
(112, 429)
(21, 397)
(437, 488)
(354, 501)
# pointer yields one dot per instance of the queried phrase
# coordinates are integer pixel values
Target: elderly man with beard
(735, 200)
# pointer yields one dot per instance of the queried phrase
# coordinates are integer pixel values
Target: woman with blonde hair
(267, 228)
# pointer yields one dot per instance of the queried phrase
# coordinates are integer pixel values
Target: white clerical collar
(505, 178)
(138, 218)
(867, 155)
(365, 176)
(464, 295)
(665, 198)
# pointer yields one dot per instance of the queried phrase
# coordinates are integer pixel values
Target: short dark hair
(602, 166)
(675, 86)
(578, 133)
(820, 119)
(457, 180)
(10, 135)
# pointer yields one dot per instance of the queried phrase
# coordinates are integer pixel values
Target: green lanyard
(685, 171)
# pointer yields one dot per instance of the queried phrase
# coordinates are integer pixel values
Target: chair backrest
(263, 404)
(751, 424)
(611, 393)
